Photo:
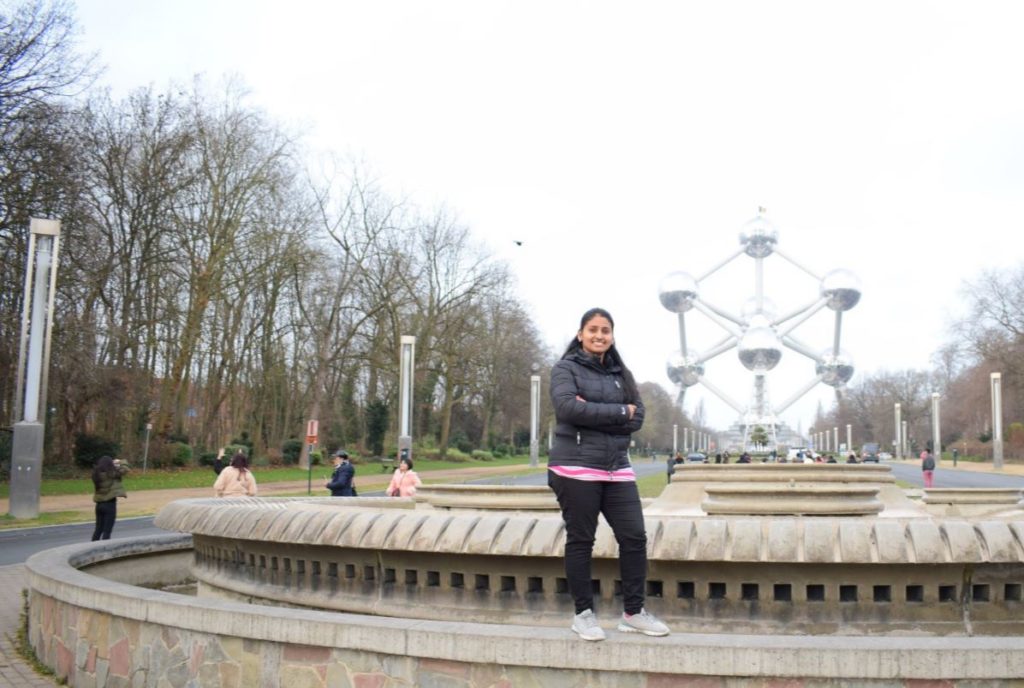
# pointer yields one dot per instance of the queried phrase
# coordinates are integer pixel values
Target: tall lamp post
(898, 443)
(33, 364)
(406, 358)
(997, 420)
(936, 434)
(534, 419)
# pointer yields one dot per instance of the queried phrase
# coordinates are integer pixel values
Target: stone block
(711, 537)
(745, 540)
(512, 537)
(293, 676)
(782, 540)
(822, 541)
(856, 542)
(963, 542)
(890, 542)
(480, 539)
(673, 541)
(926, 542)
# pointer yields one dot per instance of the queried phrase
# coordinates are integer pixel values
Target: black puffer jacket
(593, 433)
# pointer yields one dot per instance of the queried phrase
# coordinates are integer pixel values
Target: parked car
(801, 455)
(696, 457)
(869, 452)
(884, 456)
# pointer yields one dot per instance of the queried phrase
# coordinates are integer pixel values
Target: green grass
(652, 485)
(204, 477)
(49, 518)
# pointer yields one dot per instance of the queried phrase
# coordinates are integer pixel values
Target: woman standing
(597, 406)
(236, 480)
(106, 480)
(404, 481)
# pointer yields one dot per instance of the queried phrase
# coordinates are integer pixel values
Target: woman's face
(596, 335)
(403, 466)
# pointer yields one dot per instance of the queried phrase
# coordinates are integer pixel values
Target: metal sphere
(684, 371)
(678, 291)
(842, 289)
(760, 349)
(759, 238)
(835, 371)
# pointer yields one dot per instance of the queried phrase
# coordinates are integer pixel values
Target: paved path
(14, 673)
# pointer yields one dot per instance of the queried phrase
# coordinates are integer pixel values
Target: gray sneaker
(585, 624)
(644, 622)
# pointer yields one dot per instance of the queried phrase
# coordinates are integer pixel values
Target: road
(17, 545)
(946, 476)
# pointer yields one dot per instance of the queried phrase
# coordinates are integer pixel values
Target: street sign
(310, 439)
(312, 429)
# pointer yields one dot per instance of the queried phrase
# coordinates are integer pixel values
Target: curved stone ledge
(488, 497)
(329, 522)
(807, 500)
(973, 495)
(163, 636)
(782, 472)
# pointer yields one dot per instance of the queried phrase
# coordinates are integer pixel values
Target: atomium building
(759, 334)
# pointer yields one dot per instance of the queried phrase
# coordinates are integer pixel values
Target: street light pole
(145, 451)
(534, 419)
(406, 358)
(33, 364)
(997, 420)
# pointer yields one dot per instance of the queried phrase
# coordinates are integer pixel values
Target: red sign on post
(312, 430)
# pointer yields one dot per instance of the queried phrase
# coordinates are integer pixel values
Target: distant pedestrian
(852, 458)
(218, 463)
(672, 461)
(404, 480)
(927, 468)
(341, 484)
(107, 488)
(236, 480)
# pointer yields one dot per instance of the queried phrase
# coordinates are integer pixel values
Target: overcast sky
(623, 141)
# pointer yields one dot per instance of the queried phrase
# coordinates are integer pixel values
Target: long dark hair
(612, 355)
(104, 466)
(240, 461)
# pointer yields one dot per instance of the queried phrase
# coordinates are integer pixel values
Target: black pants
(106, 514)
(581, 502)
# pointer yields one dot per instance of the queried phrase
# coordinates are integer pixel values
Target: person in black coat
(597, 406)
(340, 484)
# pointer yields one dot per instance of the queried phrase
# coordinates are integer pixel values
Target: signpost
(145, 452)
(312, 430)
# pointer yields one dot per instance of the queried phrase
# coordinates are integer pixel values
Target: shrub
(207, 458)
(317, 457)
(501, 450)
(482, 455)
(89, 448)
(291, 450)
(275, 457)
(180, 454)
(453, 454)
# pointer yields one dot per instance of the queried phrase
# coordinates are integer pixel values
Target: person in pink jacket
(405, 481)
(236, 480)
